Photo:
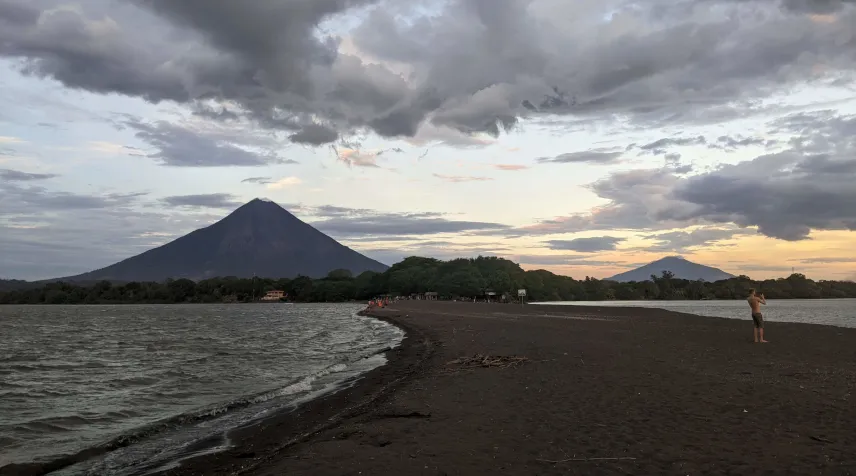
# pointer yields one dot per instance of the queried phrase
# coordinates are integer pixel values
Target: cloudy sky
(584, 137)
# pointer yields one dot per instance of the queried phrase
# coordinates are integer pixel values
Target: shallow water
(833, 312)
(164, 377)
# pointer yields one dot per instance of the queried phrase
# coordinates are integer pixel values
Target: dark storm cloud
(210, 200)
(220, 114)
(784, 195)
(18, 176)
(586, 245)
(590, 157)
(93, 54)
(818, 131)
(473, 65)
(314, 134)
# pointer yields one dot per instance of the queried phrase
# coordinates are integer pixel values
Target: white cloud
(284, 182)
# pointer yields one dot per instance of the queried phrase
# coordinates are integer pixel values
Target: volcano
(258, 239)
(680, 267)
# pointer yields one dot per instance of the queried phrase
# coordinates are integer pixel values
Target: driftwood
(487, 361)
(822, 440)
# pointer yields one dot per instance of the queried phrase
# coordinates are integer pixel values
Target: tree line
(455, 279)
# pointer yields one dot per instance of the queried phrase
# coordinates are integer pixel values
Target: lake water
(164, 377)
(833, 312)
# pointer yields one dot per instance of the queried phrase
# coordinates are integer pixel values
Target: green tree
(340, 275)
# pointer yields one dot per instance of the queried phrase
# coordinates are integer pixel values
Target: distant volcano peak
(681, 267)
(260, 202)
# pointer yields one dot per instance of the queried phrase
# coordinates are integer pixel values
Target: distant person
(755, 302)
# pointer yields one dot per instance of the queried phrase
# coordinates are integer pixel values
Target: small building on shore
(275, 295)
(429, 296)
(490, 296)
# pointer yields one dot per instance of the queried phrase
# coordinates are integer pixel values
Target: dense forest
(460, 278)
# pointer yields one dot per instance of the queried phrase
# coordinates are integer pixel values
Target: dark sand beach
(604, 391)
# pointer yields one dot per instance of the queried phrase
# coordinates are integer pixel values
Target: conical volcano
(260, 238)
(680, 267)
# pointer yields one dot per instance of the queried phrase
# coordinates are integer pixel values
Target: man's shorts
(758, 319)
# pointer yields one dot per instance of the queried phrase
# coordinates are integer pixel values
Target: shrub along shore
(455, 279)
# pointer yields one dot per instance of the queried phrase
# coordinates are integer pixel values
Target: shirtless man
(755, 302)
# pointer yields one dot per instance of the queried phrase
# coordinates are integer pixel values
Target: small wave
(42, 366)
(380, 337)
(295, 387)
(6, 442)
(318, 335)
(178, 372)
(40, 427)
(138, 381)
(314, 337)
(65, 423)
(33, 393)
(17, 358)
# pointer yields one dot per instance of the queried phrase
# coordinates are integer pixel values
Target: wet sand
(604, 391)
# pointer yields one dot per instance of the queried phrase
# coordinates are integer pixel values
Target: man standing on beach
(755, 302)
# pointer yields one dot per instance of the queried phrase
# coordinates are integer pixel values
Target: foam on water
(166, 382)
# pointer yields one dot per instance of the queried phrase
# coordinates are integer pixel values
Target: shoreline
(391, 416)
(605, 390)
(268, 438)
(302, 420)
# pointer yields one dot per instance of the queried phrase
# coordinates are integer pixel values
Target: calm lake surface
(833, 312)
(77, 377)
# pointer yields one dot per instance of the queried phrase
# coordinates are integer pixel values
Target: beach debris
(488, 361)
(568, 460)
(822, 440)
